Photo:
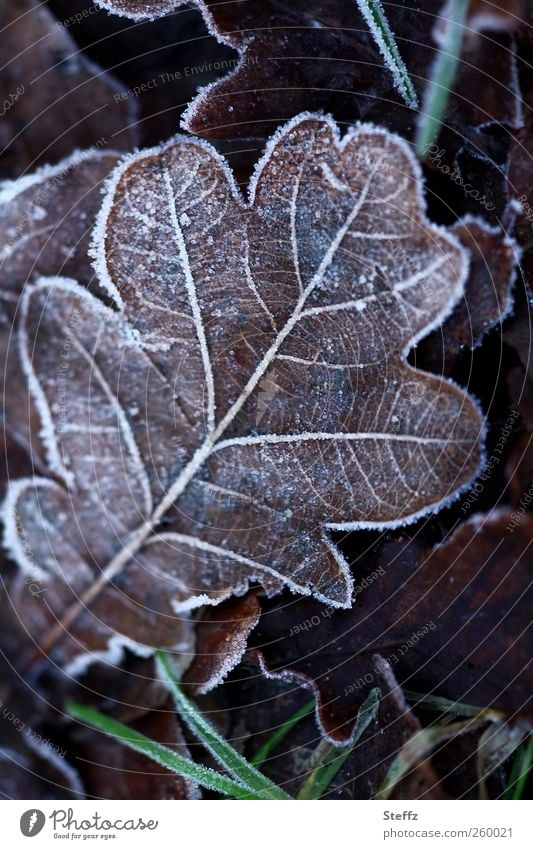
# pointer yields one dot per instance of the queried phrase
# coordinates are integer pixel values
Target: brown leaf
(45, 224)
(244, 391)
(221, 640)
(142, 9)
(258, 706)
(54, 98)
(452, 621)
(488, 15)
(296, 57)
(395, 724)
(46, 220)
(32, 769)
(487, 298)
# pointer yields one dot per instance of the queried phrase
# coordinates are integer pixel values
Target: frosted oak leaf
(277, 74)
(143, 9)
(171, 490)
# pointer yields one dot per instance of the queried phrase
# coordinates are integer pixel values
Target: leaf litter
(158, 416)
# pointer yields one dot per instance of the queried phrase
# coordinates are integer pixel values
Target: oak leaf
(248, 395)
(452, 620)
(295, 56)
(141, 9)
(46, 219)
(487, 299)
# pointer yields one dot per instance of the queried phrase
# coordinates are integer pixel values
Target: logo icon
(32, 822)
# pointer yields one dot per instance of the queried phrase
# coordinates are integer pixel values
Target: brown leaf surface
(142, 9)
(487, 298)
(257, 706)
(221, 640)
(296, 57)
(46, 220)
(45, 224)
(251, 389)
(395, 724)
(452, 621)
(54, 98)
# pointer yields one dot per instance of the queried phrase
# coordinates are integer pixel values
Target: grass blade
(374, 15)
(420, 746)
(442, 75)
(225, 754)
(520, 770)
(442, 705)
(332, 757)
(280, 733)
(185, 767)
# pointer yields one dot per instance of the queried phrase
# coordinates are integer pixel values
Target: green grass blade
(185, 767)
(332, 758)
(374, 15)
(442, 705)
(280, 733)
(225, 754)
(520, 770)
(442, 75)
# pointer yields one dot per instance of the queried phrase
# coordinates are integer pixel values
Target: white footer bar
(252, 825)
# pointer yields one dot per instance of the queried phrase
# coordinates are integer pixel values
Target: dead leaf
(221, 640)
(257, 706)
(36, 771)
(45, 224)
(418, 749)
(452, 621)
(310, 294)
(160, 63)
(503, 15)
(54, 98)
(395, 724)
(142, 9)
(46, 220)
(296, 57)
(487, 298)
